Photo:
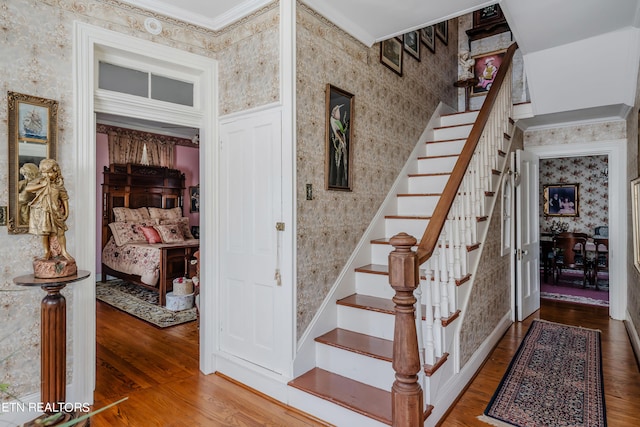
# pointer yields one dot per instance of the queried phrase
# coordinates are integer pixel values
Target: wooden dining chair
(569, 253)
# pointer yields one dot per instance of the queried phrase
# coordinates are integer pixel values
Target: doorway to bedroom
(166, 148)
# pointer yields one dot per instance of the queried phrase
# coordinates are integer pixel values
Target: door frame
(87, 39)
(616, 151)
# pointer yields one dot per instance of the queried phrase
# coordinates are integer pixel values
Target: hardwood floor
(620, 369)
(158, 371)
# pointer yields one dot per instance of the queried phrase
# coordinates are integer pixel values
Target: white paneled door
(527, 235)
(250, 208)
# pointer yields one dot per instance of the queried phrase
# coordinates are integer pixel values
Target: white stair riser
(454, 132)
(427, 183)
(417, 205)
(328, 411)
(436, 164)
(375, 372)
(444, 148)
(459, 118)
(375, 285)
(472, 257)
(435, 382)
(413, 227)
(380, 253)
(366, 322)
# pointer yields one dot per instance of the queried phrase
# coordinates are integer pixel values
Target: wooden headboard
(136, 186)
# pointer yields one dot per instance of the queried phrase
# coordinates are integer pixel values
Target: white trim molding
(88, 41)
(616, 150)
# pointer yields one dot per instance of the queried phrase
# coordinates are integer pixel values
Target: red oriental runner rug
(555, 379)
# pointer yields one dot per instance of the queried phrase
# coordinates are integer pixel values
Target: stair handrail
(406, 392)
(429, 239)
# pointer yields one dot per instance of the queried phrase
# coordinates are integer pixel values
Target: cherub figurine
(466, 64)
(49, 208)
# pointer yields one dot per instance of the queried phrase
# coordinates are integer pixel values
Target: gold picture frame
(561, 200)
(33, 132)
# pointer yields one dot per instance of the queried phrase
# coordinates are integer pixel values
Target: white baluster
(435, 298)
(429, 349)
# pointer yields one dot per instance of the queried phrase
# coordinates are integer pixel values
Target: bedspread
(141, 259)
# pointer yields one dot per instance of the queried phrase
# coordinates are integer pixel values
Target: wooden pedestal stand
(467, 84)
(53, 341)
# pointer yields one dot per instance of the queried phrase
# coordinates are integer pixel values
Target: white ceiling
(580, 55)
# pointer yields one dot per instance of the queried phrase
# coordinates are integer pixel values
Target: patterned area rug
(555, 379)
(141, 303)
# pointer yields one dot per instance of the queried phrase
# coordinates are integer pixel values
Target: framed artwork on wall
(561, 200)
(339, 122)
(635, 219)
(391, 54)
(412, 44)
(442, 31)
(485, 70)
(488, 15)
(194, 198)
(428, 37)
(33, 132)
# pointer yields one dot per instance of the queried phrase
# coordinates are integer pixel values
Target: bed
(146, 240)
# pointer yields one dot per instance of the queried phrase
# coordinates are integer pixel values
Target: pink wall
(186, 159)
(102, 160)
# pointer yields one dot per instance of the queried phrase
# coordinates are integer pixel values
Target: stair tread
(441, 156)
(368, 302)
(383, 269)
(406, 217)
(438, 141)
(419, 195)
(411, 175)
(361, 398)
(356, 342)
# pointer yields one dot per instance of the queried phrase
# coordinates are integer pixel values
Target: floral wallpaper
(593, 190)
(389, 114)
(36, 43)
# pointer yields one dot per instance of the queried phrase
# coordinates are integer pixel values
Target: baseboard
(633, 337)
(450, 392)
(260, 379)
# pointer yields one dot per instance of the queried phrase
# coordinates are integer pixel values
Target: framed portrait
(635, 219)
(442, 31)
(412, 44)
(485, 70)
(194, 199)
(561, 200)
(428, 37)
(391, 54)
(33, 130)
(339, 122)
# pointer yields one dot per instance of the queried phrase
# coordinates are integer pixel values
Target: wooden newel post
(406, 393)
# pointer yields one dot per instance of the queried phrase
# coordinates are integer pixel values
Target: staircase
(351, 382)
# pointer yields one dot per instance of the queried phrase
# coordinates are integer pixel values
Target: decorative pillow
(183, 223)
(172, 213)
(130, 215)
(151, 234)
(170, 233)
(127, 232)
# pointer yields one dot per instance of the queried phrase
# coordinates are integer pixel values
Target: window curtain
(126, 146)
